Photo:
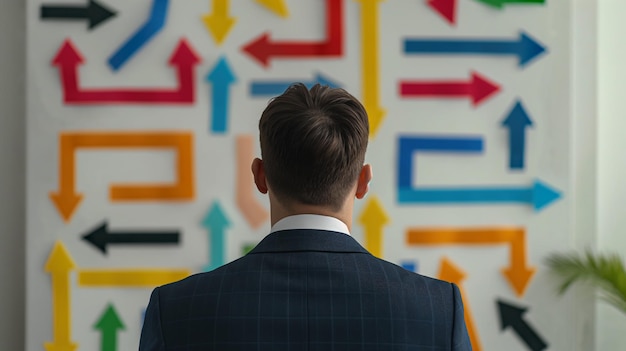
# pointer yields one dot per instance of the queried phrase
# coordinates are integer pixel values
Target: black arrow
(511, 316)
(101, 237)
(94, 12)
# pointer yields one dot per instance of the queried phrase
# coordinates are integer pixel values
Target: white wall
(12, 169)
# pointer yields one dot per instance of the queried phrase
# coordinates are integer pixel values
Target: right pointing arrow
(512, 316)
(94, 13)
(477, 88)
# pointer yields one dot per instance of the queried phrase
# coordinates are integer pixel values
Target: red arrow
(184, 59)
(478, 89)
(446, 8)
(263, 48)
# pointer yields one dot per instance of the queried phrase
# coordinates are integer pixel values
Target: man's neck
(279, 211)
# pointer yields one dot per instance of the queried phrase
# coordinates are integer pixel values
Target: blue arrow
(216, 222)
(539, 195)
(273, 88)
(155, 23)
(526, 48)
(517, 120)
(221, 76)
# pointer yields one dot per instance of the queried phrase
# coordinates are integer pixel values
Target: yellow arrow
(374, 218)
(370, 64)
(449, 272)
(277, 6)
(59, 265)
(218, 22)
(130, 277)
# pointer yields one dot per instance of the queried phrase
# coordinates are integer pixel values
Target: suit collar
(308, 240)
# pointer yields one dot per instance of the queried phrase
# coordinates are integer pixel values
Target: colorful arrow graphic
(59, 265)
(513, 316)
(108, 325)
(539, 195)
(477, 89)
(263, 48)
(67, 199)
(373, 219)
(525, 47)
(445, 8)
(219, 23)
(274, 88)
(216, 223)
(518, 273)
(149, 30)
(129, 278)
(279, 7)
(517, 121)
(499, 4)
(184, 59)
(370, 68)
(94, 13)
(254, 213)
(221, 78)
(450, 272)
(101, 237)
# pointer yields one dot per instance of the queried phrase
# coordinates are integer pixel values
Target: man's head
(313, 146)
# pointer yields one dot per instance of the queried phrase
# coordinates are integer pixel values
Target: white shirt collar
(311, 221)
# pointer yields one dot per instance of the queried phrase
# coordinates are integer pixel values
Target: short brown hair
(313, 144)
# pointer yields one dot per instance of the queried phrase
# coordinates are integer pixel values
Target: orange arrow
(247, 203)
(218, 22)
(59, 265)
(518, 274)
(374, 218)
(67, 199)
(449, 272)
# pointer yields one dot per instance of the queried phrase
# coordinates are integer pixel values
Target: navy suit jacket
(306, 290)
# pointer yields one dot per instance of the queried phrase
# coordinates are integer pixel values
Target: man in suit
(308, 285)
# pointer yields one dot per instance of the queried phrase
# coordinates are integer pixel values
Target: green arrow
(108, 325)
(500, 3)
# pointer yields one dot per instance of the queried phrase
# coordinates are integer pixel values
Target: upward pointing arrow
(108, 325)
(221, 77)
(94, 13)
(59, 265)
(517, 120)
(216, 222)
(373, 218)
(512, 316)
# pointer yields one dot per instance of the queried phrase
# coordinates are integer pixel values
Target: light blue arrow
(525, 47)
(273, 88)
(155, 23)
(216, 222)
(221, 77)
(517, 120)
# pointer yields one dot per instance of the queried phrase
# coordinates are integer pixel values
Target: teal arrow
(216, 222)
(500, 3)
(108, 325)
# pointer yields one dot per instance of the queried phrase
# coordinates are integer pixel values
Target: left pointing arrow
(108, 325)
(100, 237)
(94, 13)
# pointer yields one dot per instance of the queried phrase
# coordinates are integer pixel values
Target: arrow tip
(59, 259)
(518, 117)
(482, 88)
(66, 203)
(529, 49)
(67, 55)
(519, 278)
(98, 14)
(216, 217)
(259, 49)
(373, 214)
(110, 320)
(221, 72)
(509, 314)
(445, 8)
(450, 272)
(543, 195)
(219, 26)
(279, 7)
(98, 237)
(184, 55)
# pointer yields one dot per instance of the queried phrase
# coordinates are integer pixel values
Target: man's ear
(362, 185)
(258, 170)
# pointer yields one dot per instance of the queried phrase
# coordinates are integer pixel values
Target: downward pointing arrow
(512, 316)
(94, 13)
(108, 325)
(218, 22)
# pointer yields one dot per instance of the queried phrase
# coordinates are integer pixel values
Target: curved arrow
(100, 237)
(370, 64)
(108, 325)
(513, 316)
(184, 59)
(274, 88)
(279, 7)
(155, 23)
(517, 121)
(477, 89)
(525, 47)
(445, 8)
(246, 201)
(449, 272)
(518, 273)
(216, 222)
(218, 22)
(221, 77)
(373, 219)
(59, 265)
(93, 12)
(264, 48)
